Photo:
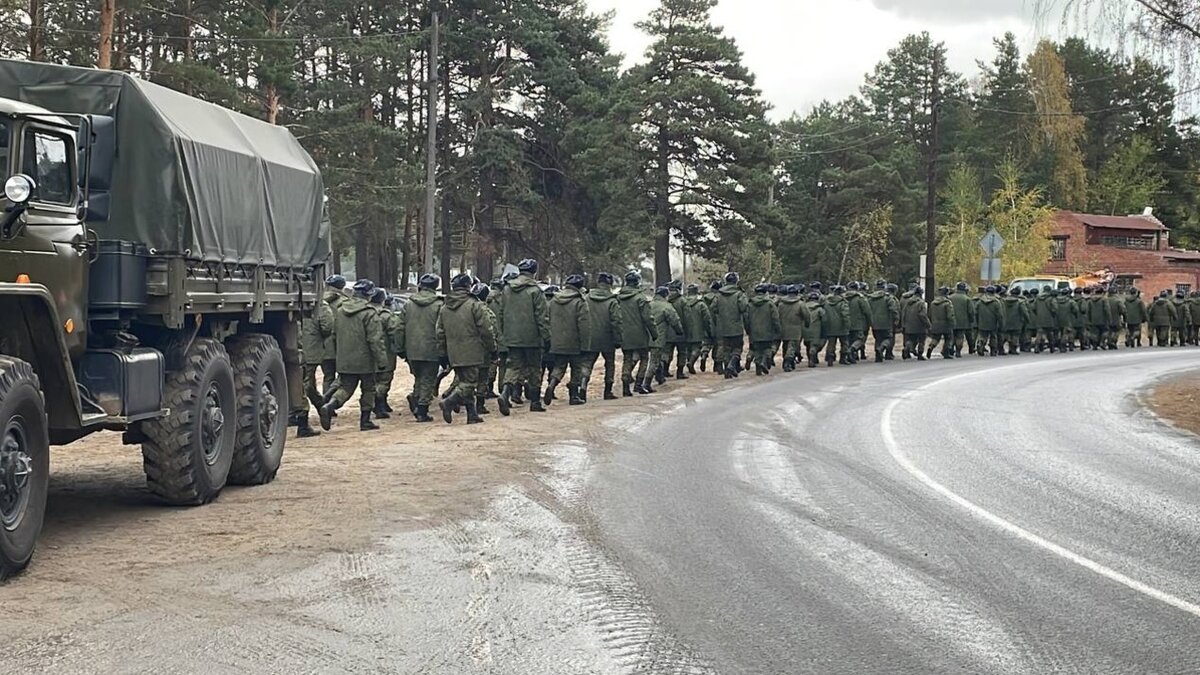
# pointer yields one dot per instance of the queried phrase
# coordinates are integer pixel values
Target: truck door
(52, 247)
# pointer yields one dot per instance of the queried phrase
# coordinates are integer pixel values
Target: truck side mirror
(101, 140)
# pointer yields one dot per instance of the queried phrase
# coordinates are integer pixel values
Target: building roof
(1144, 223)
(1180, 254)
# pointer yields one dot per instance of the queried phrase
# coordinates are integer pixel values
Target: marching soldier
(391, 342)
(1135, 316)
(361, 354)
(1183, 320)
(1067, 313)
(885, 314)
(666, 322)
(417, 344)
(837, 327)
(916, 324)
(317, 331)
(499, 367)
(814, 333)
(604, 321)
(1116, 315)
(964, 318)
(860, 319)
(697, 325)
(525, 329)
(464, 334)
(1163, 316)
(729, 324)
(942, 320)
(990, 322)
(482, 293)
(1099, 318)
(570, 330)
(637, 333)
(335, 293)
(1045, 320)
(1014, 321)
(794, 317)
(677, 348)
(763, 326)
(710, 346)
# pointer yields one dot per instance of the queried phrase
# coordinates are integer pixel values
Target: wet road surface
(1009, 515)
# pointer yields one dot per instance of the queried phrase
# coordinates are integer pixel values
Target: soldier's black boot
(660, 374)
(473, 411)
(516, 395)
(448, 404)
(481, 405)
(878, 356)
(608, 392)
(626, 391)
(381, 409)
(691, 367)
(703, 364)
(789, 364)
(412, 403)
(573, 389)
(583, 388)
(325, 415)
(551, 385)
(304, 429)
(929, 352)
(648, 385)
(535, 401)
(504, 403)
(365, 423)
(679, 374)
(422, 414)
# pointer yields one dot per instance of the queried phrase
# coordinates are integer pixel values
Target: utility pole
(935, 101)
(431, 142)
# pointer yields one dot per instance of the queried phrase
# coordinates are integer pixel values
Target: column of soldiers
(518, 341)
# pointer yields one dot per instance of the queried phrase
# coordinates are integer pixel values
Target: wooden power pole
(935, 102)
(108, 15)
(431, 120)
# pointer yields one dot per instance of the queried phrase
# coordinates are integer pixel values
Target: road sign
(990, 269)
(991, 243)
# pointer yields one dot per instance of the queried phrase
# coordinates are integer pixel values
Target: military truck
(157, 253)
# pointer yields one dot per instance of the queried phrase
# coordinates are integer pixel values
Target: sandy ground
(1177, 400)
(406, 517)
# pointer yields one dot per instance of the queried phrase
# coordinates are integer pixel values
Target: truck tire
(24, 464)
(187, 454)
(262, 406)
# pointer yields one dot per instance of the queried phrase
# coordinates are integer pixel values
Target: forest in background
(548, 148)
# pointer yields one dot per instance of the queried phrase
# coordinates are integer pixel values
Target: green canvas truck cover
(190, 178)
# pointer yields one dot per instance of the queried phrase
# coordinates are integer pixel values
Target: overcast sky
(804, 51)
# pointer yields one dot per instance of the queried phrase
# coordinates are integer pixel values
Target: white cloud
(804, 51)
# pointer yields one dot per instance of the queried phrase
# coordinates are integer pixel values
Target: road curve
(1012, 515)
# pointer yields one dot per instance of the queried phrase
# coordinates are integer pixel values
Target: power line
(240, 40)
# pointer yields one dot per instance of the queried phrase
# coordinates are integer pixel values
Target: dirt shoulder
(1177, 400)
(110, 551)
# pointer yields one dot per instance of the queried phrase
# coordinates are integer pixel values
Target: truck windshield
(47, 161)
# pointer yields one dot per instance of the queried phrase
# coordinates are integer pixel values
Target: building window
(1139, 243)
(1058, 249)
(1183, 288)
(1125, 282)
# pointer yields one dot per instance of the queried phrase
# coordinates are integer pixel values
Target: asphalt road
(1003, 515)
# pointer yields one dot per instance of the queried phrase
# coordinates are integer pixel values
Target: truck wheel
(187, 454)
(24, 464)
(262, 406)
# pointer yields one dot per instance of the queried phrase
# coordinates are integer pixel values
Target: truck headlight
(19, 188)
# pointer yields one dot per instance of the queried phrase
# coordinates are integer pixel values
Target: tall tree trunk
(108, 13)
(662, 208)
(37, 31)
(271, 95)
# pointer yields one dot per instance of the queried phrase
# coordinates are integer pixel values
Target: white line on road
(889, 439)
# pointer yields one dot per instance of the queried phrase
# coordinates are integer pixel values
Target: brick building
(1136, 249)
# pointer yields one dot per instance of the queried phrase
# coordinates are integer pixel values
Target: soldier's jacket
(916, 317)
(637, 324)
(991, 314)
(604, 320)
(815, 331)
(523, 316)
(570, 323)
(794, 317)
(495, 302)
(964, 310)
(464, 331)
(905, 298)
(708, 297)
(1015, 314)
(729, 312)
(666, 319)
(837, 316)
(885, 310)
(1081, 316)
(942, 317)
(391, 336)
(762, 321)
(334, 298)
(1116, 311)
(316, 332)
(697, 320)
(360, 346)
(1183, 314)
(1045, 313)
(1162, 313)
(1098, 313)
(1068, 312)
(676, 300)
(860, 311)
(1135, 311)
(1193, 304)
(417, 337)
